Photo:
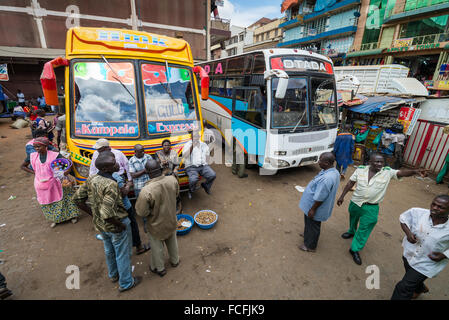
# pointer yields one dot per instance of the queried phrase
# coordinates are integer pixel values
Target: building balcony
(369, 46)
(420, 13)
(294, 22)
(328, 34)
(219, 30)
(339, 6)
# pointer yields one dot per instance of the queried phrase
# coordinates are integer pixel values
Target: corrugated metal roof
(379, 104)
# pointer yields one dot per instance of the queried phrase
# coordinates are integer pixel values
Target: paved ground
(252, 252)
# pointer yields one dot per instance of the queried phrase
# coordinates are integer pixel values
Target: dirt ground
(251, 253)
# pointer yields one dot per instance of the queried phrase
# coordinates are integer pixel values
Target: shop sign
(441, 85)
(408, 117)
(400, 43)
(428, 83)
(416, 47)
(4, 72)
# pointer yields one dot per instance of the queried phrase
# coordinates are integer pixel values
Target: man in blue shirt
(318, 200)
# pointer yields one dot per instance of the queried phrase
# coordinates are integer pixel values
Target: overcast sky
(245, 12)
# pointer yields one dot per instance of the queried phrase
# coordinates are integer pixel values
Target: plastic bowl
(61, 162)
(206, 226)
(185, 231)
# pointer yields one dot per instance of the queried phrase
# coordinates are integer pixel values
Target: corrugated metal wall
(427, 146)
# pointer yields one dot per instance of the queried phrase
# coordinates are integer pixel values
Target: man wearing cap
(103, 145)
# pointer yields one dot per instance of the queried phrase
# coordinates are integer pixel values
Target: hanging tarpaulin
(287, 4)
(4, 72)
(323, 4)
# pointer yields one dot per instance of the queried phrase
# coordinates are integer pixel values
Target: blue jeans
(118, 251)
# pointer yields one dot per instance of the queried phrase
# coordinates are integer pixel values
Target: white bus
(279, 104)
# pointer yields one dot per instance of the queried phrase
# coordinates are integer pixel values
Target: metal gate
(427, 146)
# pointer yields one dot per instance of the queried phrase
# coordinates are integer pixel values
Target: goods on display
(205, 217)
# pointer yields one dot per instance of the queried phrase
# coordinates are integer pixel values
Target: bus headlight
(278, 163)
(280, 153)
(82, 169)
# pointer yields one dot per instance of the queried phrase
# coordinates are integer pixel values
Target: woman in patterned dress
(54, 197)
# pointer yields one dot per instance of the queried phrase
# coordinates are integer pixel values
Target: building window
(232, 51)
(424, 27)
(241, 37)
(416, 4)
(276, 32)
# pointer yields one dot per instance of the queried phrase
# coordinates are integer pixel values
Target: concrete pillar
(361, 25)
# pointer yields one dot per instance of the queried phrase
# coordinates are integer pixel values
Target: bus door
(249, 114)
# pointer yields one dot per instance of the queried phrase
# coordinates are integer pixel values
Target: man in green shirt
(110, 219)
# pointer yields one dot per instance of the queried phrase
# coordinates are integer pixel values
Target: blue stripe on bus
(255, 141)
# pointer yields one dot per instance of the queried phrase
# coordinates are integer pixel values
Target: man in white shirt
(20, 98)
(426, 247)
(103, 145)
(196, 159)
(372, 183)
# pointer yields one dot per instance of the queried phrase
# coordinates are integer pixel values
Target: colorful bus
(280, 105)
(130, 87)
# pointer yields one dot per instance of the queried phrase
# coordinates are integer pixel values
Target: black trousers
(413, 281)
(312, 230)
(134, 227)
(2, 281)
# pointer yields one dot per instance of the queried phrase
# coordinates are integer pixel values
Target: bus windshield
(105, 99)
(324, 107)
(292, 110)
(169, 102)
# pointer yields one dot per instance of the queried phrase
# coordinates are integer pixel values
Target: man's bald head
(326, 160)
(105, 162)
(139, 151)
(153, 168)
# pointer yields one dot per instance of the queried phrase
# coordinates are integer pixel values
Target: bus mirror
(283, 81)
(205, 88)
(282, 88)
(48, 80)
(204, 82)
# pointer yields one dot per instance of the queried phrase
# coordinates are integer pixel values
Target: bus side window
(252, 109)
(217, 87)
(234, 82)
(259, 63)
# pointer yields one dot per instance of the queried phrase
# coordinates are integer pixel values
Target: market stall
(380, 123)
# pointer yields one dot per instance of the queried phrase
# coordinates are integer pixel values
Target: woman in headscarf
(54, 196)
(169, 161)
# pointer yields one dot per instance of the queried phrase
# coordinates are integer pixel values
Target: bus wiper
(117, 77)
(169, 92)
(297, 124)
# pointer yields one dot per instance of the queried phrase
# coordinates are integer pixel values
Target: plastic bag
(377, 138)
(361, 136)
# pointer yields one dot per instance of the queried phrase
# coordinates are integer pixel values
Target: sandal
(304, 248)
(145, 248)
(114, 279)
(74, 220)
(53, 225)
(174, 265)
(160, 273)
